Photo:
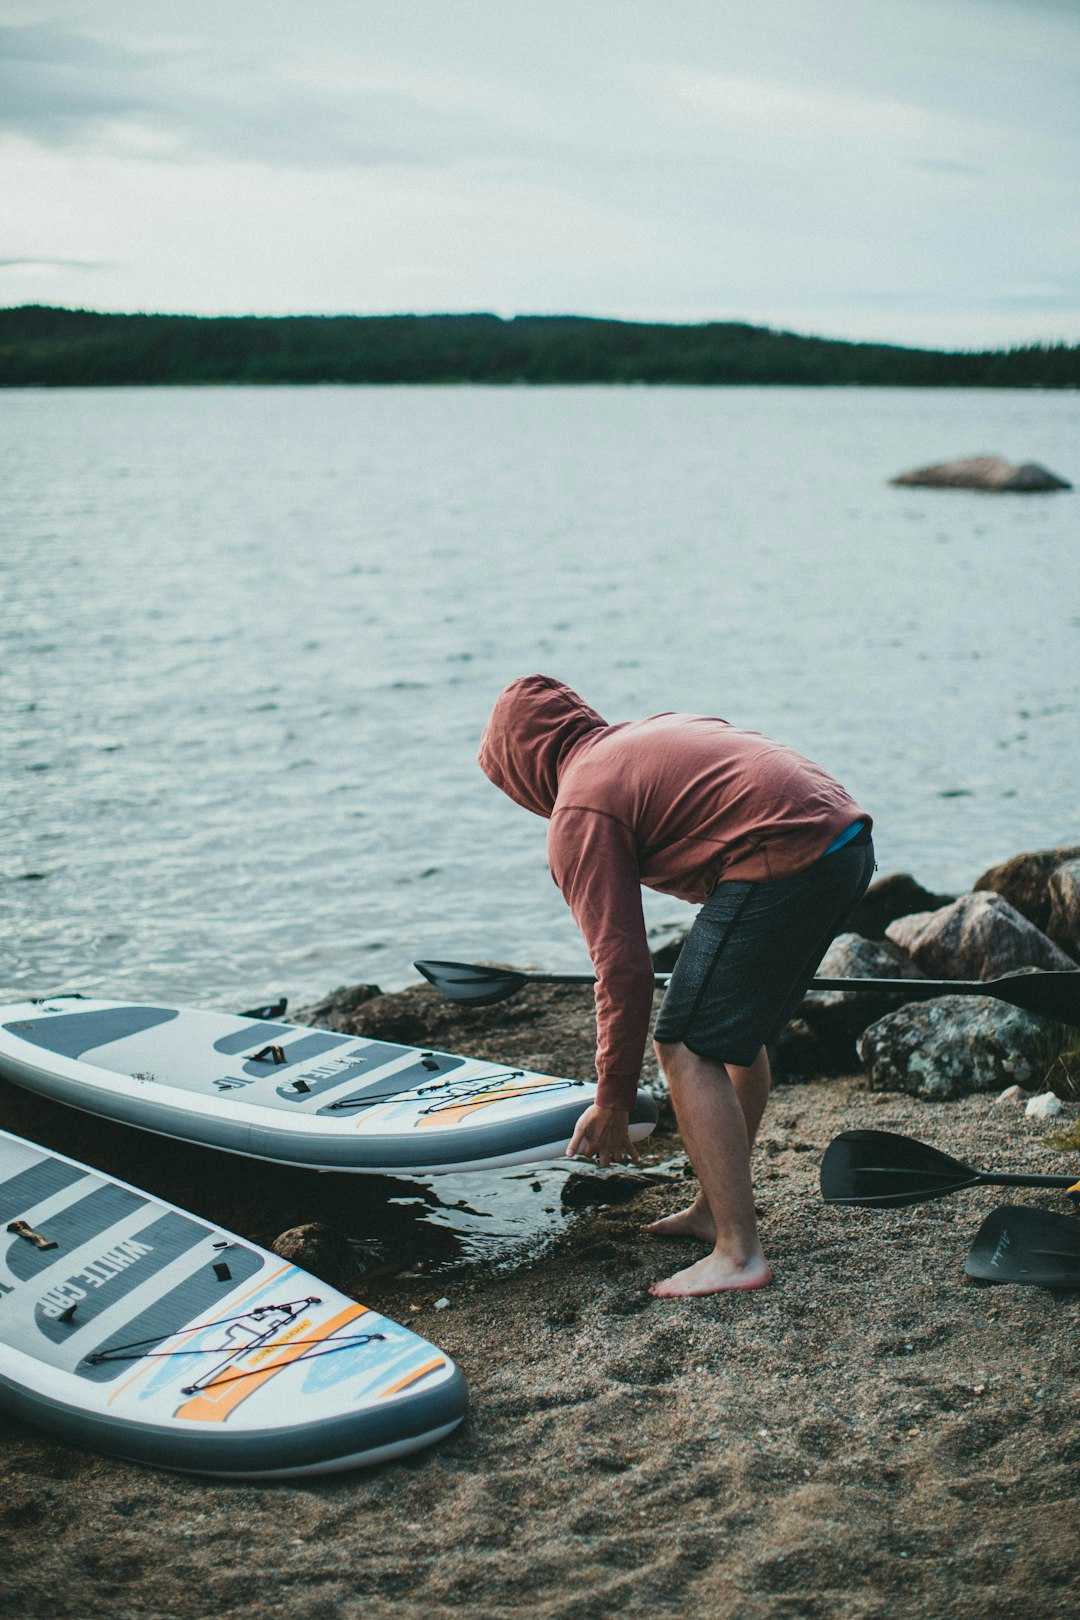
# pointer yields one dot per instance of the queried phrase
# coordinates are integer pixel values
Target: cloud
(947, 166)
(758, 106)
(56, 87)
(60, 88)
(11, 266)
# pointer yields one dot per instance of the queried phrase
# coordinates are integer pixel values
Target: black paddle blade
(1016, 1244)
(886, 1171)
(272, 1010)
(1050, 994)
(471, 984)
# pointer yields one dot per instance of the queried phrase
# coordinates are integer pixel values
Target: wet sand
(872, 1436)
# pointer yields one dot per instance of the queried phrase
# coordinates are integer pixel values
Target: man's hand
(603, 1134)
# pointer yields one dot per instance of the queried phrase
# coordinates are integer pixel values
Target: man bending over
(776, 854)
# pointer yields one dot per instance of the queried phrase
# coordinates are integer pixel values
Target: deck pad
(132, 1327)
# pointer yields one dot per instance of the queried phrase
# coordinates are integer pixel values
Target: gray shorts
(752, 951)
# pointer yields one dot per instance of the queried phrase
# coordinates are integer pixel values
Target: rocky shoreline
(875, 1434)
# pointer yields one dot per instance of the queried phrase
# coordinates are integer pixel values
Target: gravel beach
(875, 1435)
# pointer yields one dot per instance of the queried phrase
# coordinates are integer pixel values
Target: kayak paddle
(884, 1171)
(1016, 1244)
(270, 1011)
(1048, 994)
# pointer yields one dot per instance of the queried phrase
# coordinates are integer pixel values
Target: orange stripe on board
(215, 1402)
(261, 1281)
(452, 1116)
(412, 1378)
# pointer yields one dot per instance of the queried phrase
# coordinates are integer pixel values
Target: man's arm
(593, 860)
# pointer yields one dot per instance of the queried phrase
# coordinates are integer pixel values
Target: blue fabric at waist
(846, 836)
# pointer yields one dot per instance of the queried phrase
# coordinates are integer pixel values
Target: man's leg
(751, 1086)
(718, 1108)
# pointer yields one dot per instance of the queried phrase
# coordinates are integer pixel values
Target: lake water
(250, 637)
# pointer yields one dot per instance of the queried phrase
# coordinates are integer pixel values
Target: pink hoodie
(676, 802)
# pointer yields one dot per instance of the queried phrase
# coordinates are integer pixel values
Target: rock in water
(978, 937)
(322, 1250)
(953, 1046)
(991, 473)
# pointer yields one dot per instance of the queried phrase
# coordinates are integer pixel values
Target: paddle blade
(884, 1171)
(1016, 1244)
(471, 984)
(1051, 994)
(271, 1010)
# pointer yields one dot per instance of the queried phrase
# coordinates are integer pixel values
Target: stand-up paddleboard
(289, 1093)
(133, 1328)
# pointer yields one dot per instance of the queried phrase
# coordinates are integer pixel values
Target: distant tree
(45, 347)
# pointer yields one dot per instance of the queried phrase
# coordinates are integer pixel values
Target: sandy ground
(873, 1436)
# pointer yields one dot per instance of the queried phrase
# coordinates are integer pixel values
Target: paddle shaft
(1054, 995)
(910, 989)
(930, 989)
(988, 1178)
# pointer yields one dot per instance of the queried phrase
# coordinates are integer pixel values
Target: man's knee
(677, 1060)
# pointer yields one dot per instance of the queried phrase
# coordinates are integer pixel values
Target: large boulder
(1024, 881)
(895, 895)
(991, 473)
(953, 1046)
(1063, 923)
(836, 1018)
(978, 937)
(820, 1040)
(851, 956)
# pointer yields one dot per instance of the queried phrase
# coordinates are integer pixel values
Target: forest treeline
(47, 347)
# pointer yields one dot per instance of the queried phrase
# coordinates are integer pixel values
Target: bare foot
(695, 1222)
(715, 1274)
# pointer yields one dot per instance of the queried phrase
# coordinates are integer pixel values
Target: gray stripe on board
(70, 1228)
(120, 1268)
(72, 1034)
(42, 1180)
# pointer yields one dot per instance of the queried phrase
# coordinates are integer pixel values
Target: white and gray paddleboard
(289, 1093)
(133, 1328)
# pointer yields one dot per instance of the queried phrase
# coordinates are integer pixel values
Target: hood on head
(536, 719)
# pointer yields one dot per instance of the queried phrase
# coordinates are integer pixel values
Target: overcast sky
(907, 170)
